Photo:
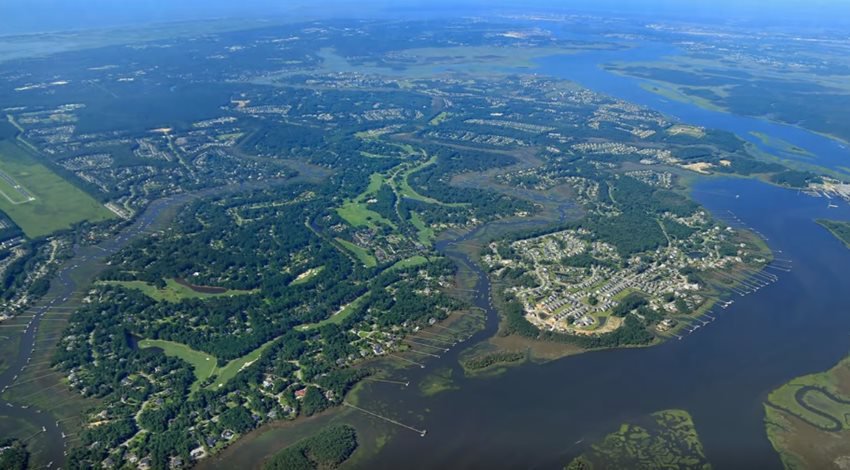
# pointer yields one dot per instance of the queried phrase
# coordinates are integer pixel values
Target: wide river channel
(541, 416)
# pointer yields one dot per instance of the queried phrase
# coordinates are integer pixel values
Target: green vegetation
(809, 98)
(356, 211)
(680, 94)
(780, 144)
(840, 229)
(424, 234)
(364, 256)
(339, 316)
(174, 291)
(405, 190)
(437, 382)
(411, 262)
(438, 119)
(358, 215)
(667, 439)
(229, 370)
(481, 362)
(323, 196)
(13, 455)
(806, 419)
(327, 449)
(55, 204)
(305, 277)
(203, 364)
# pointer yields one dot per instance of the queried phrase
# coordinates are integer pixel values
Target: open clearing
(337, 317)
(233, 367)
(174, 291)
(411, 262)
(424, 233)
(357, 213)
(364, 256)
(205, 365)
(39, 200)
(305, 277)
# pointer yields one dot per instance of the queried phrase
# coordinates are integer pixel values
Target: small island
(667, 439)
(840, 229)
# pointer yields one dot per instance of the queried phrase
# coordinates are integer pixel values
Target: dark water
(532, 415)
(585, 69)
(541, 416)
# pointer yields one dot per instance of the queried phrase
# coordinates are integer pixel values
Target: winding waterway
(69, 280)
(541, 416)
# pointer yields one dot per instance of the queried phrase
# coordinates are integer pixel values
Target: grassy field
(233, 367)
(305, 277)
(409, 262)
(357, 213)
(338, 317)
(174, 291)
(405, 190)
(424, 233)
(205, 365)
(439, 118)
(364, 256)
(57, 204)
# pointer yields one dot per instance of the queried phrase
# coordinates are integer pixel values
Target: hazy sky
(17, 16)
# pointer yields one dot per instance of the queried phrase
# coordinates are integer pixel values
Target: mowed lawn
(411, 262)
(233, 367)
(357, 213)
(205, 365)
(360, 253)
(337, 317)
(57, 203)
(173, 291)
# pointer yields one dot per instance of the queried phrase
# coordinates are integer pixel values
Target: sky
(24, 16)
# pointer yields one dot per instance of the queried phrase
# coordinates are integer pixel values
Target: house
(666, 324)
(299, 394)
(198, 453)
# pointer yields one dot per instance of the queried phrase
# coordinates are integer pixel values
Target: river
(72, 278)
(541, 416)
